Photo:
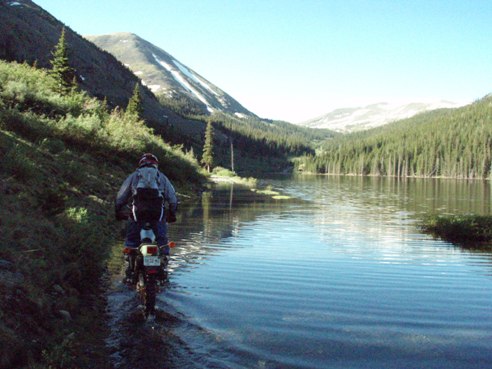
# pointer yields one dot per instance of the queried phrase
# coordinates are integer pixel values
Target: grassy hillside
(454, 143)
(28, 32)
(63, 159)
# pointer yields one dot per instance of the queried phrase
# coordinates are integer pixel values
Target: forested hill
(454, 143)
(262, 145)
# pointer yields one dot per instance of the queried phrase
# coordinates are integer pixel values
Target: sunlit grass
(268, 191)
(220, 174)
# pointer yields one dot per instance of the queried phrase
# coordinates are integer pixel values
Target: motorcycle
(145, 268)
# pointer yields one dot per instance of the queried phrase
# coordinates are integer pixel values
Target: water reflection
(411, 195)
(203, 227)
(340, 277)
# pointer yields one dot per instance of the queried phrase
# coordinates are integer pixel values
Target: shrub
(17, 163)
(52, 200)
(223, 172)
(124, 133)
(78, 215)
(74, 172)
(53, 145)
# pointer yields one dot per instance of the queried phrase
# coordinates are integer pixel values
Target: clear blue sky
(298, 59)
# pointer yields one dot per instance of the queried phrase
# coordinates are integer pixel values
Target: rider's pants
(159, 228)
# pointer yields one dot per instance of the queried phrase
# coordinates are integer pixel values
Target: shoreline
(393, 177)
(468, 231)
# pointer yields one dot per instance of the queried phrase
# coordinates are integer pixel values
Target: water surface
(339, 277)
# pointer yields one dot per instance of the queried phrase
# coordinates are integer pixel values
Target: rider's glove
(120, 214)
(170, 217)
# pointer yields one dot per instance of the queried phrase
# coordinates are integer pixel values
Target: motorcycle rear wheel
(150, 291)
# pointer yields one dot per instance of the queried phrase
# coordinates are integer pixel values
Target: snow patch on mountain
(178, 77)
(194, 77)
(165, 74)
(154, 88)
(347, 120)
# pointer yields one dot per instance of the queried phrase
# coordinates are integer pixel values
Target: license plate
(151, 261)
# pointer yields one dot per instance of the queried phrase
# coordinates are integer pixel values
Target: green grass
(464, 229)
(269, 191)
(63, 160)
(220, 174)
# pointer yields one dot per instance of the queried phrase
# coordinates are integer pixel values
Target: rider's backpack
(147, 199)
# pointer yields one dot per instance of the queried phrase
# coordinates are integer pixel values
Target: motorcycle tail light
(127, 250)
(152, 250)
(172, 244)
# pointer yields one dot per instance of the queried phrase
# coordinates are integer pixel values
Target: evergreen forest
(449, 143)
(261, 145)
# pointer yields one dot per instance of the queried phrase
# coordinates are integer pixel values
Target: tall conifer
(135, 103)
(62, 73)
(208, 155)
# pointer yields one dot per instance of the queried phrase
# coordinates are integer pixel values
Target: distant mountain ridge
(347, 120)
(165, 75)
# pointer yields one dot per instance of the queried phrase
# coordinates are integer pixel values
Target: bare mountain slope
(165, 75)
(361, 118)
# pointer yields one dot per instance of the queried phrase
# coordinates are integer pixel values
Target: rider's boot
(128, 271)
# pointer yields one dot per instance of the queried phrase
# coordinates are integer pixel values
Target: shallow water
(340, 276)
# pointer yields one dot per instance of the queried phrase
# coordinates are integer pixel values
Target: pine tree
(75, 84)
(62, 73)
(208, 155)
(134, 106)
(102, 110)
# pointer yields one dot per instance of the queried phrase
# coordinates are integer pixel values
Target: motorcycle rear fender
(147, 234)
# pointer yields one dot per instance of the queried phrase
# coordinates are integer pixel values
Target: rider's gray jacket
(129, 188)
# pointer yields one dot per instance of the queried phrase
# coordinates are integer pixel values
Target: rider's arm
(169, 194)
(124, 193)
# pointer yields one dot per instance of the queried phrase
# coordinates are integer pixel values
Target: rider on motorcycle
(147, 205)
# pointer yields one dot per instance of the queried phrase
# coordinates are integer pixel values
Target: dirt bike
(145, 268)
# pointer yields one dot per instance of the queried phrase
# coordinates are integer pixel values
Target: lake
(339, 276)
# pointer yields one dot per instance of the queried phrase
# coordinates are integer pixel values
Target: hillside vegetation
(263, 146)
(260, 146)
(63, 159)
(453, 143)
(472, 231)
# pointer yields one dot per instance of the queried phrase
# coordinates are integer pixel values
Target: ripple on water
(343, 279)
